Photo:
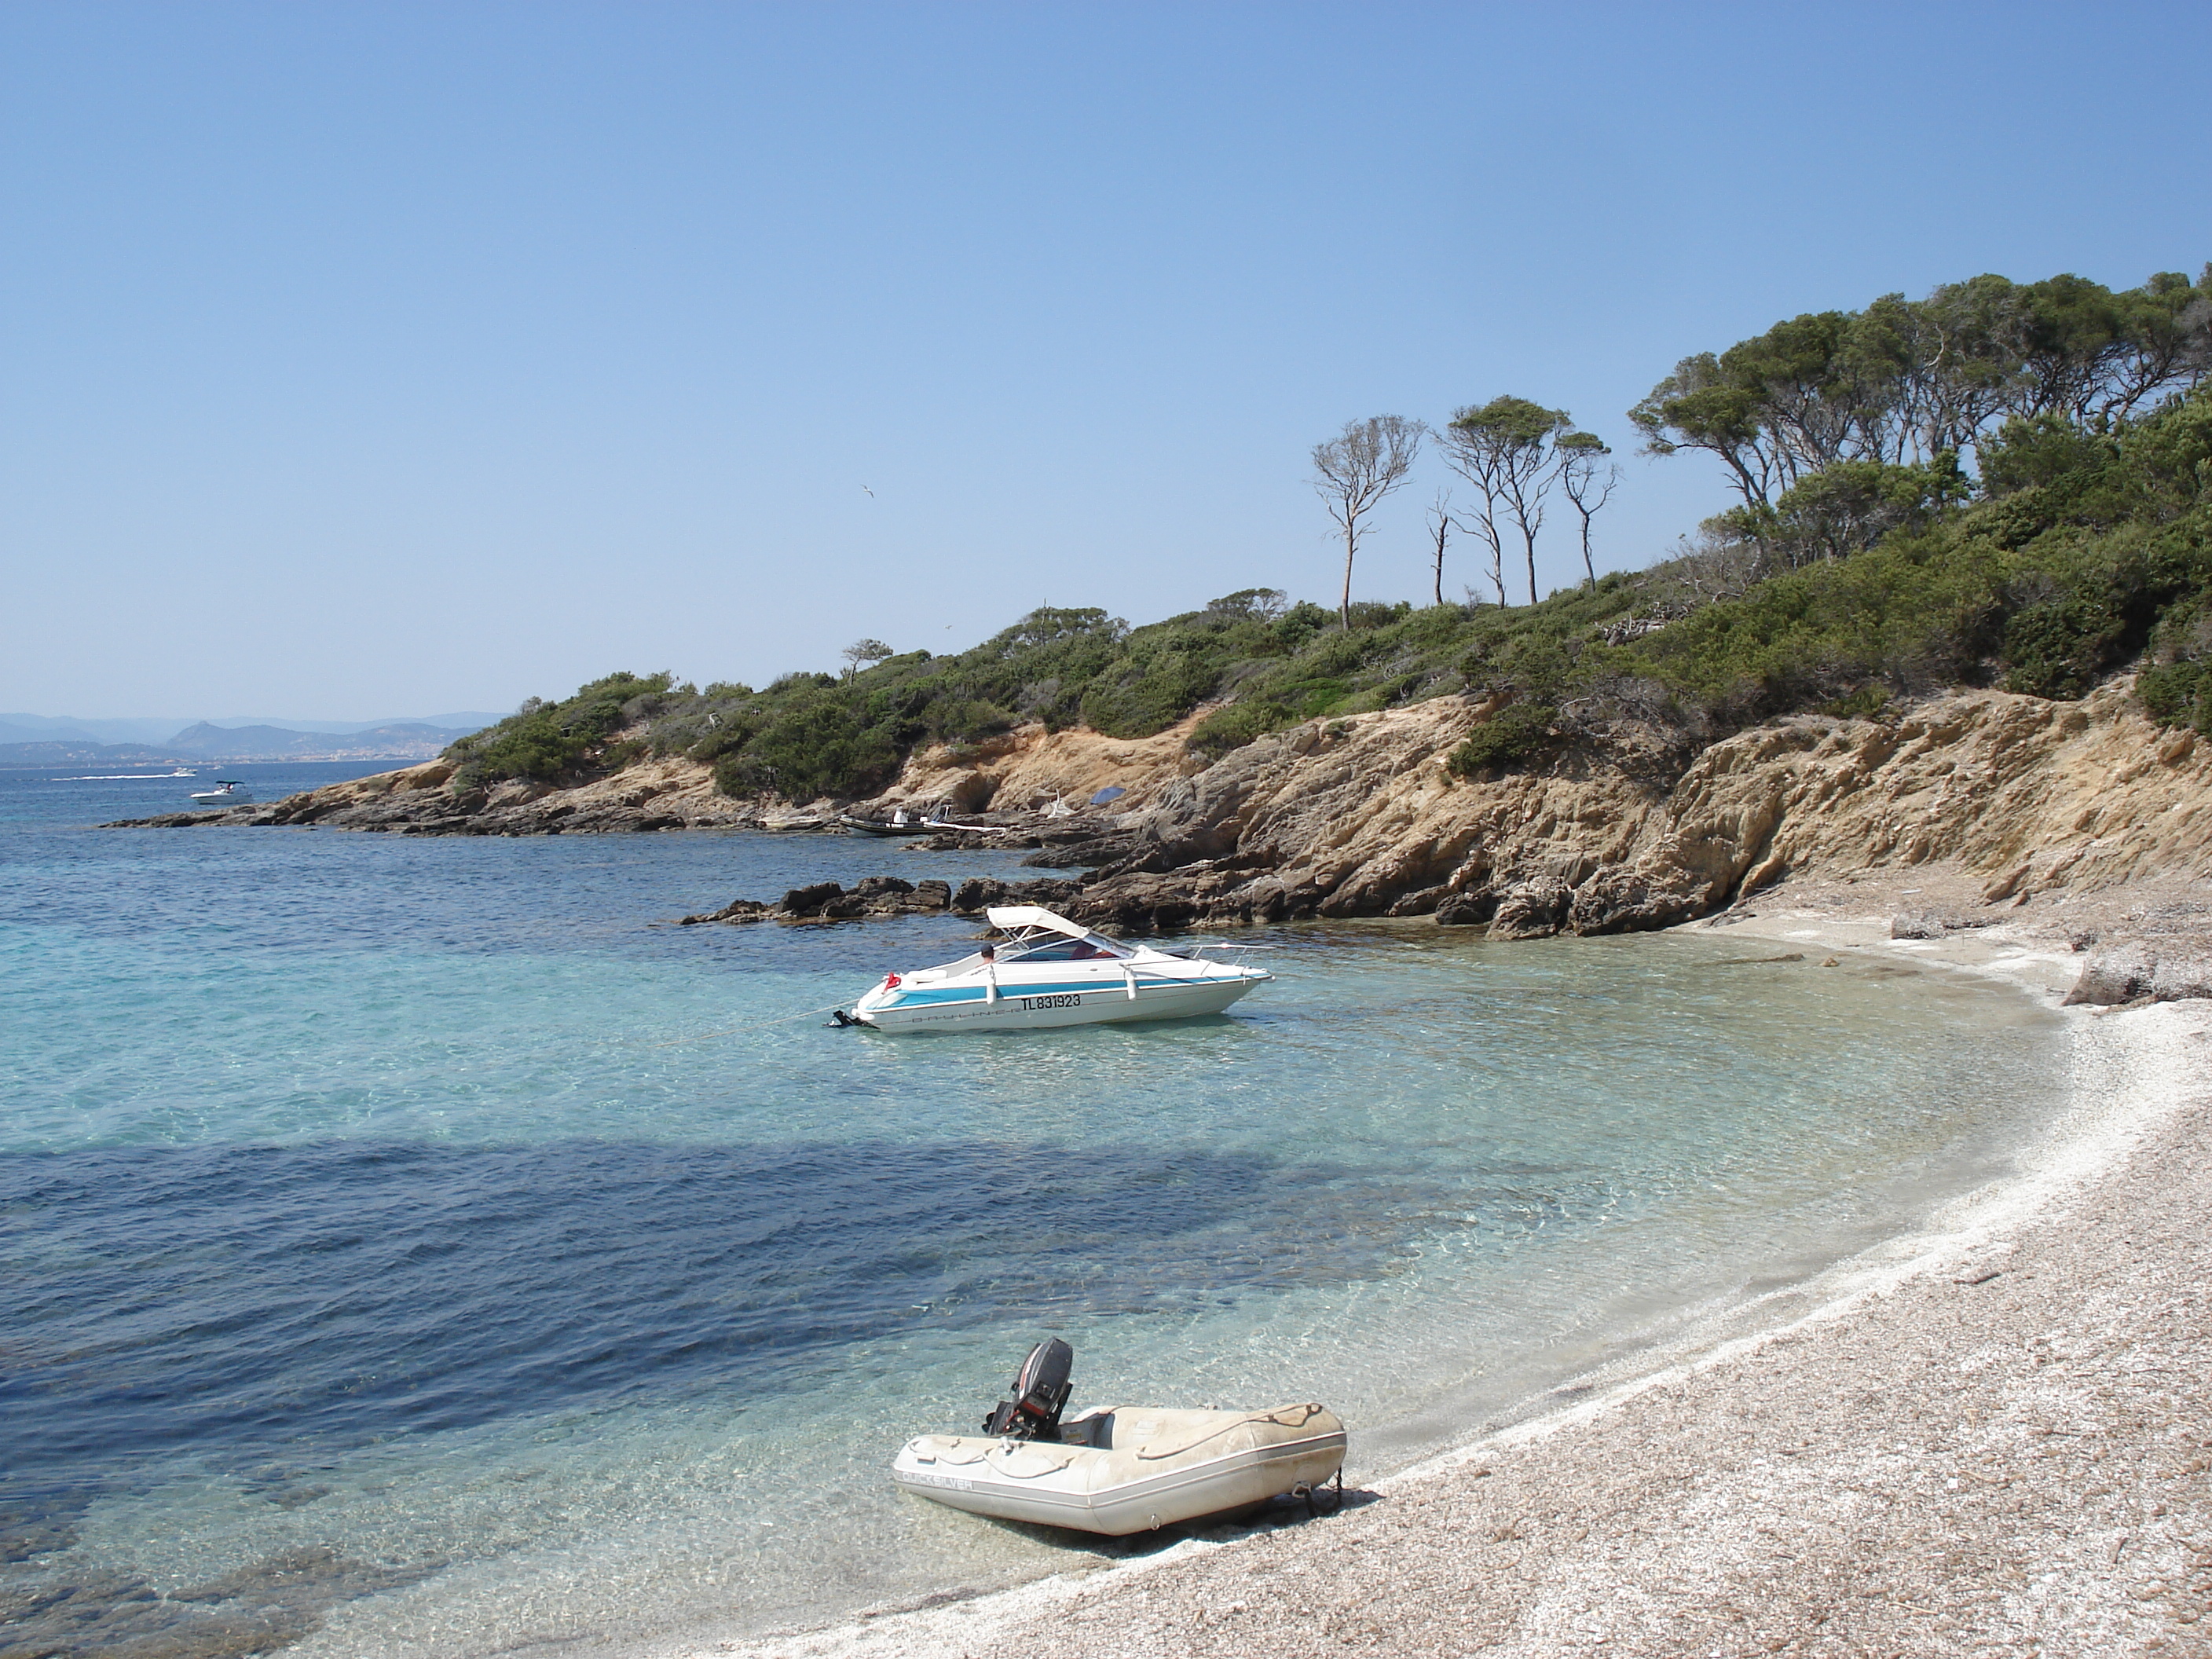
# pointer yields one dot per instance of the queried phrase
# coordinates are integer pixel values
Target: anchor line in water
(732, 1030)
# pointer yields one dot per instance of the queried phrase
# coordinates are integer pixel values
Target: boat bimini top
(1051, 971)
(1029, 926)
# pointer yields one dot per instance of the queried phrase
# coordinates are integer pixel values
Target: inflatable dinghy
(1122, 1470)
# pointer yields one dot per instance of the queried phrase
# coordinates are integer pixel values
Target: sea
(422, 1245)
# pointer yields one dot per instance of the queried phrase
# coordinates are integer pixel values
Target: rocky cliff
(2016, 795)
(1988, 798)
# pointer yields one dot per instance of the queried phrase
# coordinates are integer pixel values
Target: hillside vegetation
(2037, 533)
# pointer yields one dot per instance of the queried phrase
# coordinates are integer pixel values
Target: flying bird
(872, 493)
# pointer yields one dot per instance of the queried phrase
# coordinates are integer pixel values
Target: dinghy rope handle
(1013, 1448)
(1280, 1417)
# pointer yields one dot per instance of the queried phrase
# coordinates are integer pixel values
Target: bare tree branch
(1356, 470)
(1440, 524)
(1588, 476)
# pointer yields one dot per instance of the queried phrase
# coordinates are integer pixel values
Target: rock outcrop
(2160, 964)
(831, 901)
(1364, 817)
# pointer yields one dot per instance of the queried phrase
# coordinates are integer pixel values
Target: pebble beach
(1991, 1437)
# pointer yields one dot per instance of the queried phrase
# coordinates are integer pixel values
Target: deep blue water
(437, 1202)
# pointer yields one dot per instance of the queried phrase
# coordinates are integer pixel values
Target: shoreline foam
(1751, 1494)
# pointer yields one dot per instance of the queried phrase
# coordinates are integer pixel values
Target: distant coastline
(206, 744)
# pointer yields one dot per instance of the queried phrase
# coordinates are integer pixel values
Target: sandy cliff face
(1029, 768)
(1361, 817)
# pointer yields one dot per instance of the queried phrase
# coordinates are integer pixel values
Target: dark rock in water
(1142, 903)
(1536, 910)
(830, 901)
(1421, 904)
(979, 893)
(735, 910)
(1632, 899)
(1467, 910)
(809, 900)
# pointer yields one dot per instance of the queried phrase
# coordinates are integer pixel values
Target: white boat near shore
(1051, 972)
(228, 792)
(1130, 1469)
(1164, 1467)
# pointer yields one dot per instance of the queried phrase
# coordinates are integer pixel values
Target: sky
(362, 359)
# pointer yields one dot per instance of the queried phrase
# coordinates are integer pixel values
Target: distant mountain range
(155, 732)
(41, 740)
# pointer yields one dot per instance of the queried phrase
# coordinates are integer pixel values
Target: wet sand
(1990, 1438)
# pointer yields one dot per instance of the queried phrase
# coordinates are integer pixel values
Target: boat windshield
(1058, 947)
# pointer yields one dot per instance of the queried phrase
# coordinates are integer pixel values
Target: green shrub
(1152, 696)
(2059, 649)
(1514, 736)
(2177, 693)
(551, 741)
(1238, 724)
(820, 747)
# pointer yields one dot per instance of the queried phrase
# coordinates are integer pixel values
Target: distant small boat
(903, 822)
(899, 825)
(228, 792)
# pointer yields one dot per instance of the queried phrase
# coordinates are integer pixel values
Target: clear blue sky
(368, 359)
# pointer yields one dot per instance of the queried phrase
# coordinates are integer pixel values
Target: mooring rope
(732, 1030)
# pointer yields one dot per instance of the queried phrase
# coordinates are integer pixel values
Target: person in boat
(1085, 951)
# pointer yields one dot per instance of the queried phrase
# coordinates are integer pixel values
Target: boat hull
(1107, 1003)
(884, 832)
(1177, 1466)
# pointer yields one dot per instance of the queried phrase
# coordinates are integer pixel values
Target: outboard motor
(1041, 1391)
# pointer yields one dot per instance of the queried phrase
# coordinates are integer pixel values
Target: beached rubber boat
(1132, 1468)
(898, 824)
(1050, 972)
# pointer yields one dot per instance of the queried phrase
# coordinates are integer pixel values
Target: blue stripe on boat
(908, 998)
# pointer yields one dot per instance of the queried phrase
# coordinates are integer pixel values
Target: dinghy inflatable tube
(1141, 1467)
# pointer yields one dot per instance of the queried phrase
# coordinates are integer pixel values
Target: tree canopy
(1904, 382)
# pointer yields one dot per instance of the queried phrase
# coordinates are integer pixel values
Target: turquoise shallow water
(424, 1203)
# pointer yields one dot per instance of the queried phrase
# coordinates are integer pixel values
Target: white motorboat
(228, 792)
(1051, 971)
(1129, 1469)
